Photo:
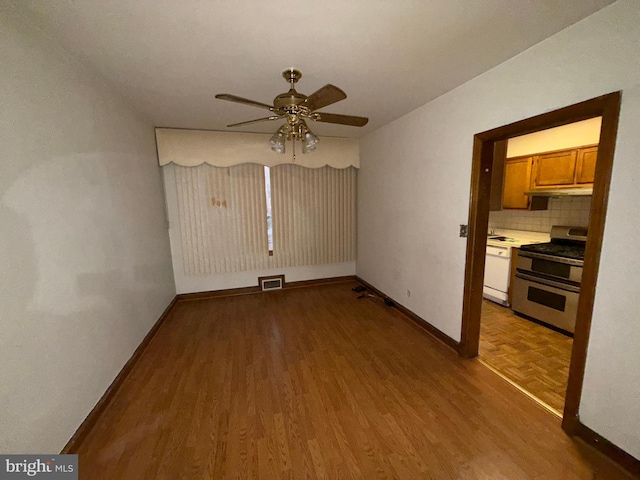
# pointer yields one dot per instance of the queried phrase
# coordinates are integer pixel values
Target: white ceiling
(170, 57)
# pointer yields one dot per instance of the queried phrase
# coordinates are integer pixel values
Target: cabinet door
(516, 181)
(555, 169)
(586, 168)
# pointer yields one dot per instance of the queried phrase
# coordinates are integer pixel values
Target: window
(309, 213)
(222, 214)
(267, 190)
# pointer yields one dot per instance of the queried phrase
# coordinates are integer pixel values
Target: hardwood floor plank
(314, 383)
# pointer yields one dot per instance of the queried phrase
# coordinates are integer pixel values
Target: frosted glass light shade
(310, 142)
(277, 142)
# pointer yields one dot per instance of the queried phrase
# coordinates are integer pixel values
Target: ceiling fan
(295, 107)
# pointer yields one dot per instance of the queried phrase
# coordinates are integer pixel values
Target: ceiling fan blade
(272, 117)
(341, 119)
(246, 101)
(327, 95)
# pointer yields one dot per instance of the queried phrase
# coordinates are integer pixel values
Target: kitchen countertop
(517, 238)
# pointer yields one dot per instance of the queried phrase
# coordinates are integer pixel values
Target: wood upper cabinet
(554, 169)
(586, 165)
(517, 173)
(569, 168)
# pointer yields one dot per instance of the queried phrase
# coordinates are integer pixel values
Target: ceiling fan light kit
(295, 107)
(277, 141)
(309, 142)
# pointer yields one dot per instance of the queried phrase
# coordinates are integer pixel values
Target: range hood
(560, 192)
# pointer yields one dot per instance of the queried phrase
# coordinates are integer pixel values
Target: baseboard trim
(231, 292)
(419, 321)
(604, 446)
(85, 427)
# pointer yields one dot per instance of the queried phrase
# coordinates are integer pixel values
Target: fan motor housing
(289, 99)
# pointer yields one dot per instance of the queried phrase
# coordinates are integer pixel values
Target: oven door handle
(549, 283)
(551, 258)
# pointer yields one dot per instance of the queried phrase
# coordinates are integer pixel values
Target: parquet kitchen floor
(534, 357)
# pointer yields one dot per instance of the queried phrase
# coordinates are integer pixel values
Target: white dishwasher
(497, 270)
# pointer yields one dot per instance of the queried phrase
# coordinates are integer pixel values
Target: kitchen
(541, 199)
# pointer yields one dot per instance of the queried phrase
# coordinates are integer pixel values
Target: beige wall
(576, 134)
(84, 251)
(413, 193)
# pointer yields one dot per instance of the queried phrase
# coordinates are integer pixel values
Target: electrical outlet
(408, 293)
(464, 230)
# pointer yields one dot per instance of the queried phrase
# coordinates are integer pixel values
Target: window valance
(190, 148)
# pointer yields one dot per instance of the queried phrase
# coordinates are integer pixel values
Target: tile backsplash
(573, 211)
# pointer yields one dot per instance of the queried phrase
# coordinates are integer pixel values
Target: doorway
(541, 182)
(485, 145)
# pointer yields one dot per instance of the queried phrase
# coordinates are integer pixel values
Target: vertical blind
(223, 219)
(314, 214)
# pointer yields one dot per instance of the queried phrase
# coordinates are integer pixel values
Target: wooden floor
(531, 355)
(313, 383)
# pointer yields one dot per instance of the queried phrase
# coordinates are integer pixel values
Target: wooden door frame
(607, 107)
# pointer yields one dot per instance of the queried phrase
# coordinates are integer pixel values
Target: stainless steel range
(548, 276)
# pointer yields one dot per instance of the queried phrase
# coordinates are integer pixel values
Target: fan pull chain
(293, 141)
